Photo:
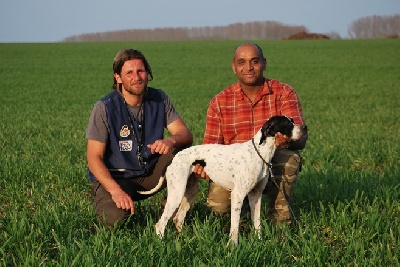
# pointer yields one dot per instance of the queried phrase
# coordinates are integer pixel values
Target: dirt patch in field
(306, 36)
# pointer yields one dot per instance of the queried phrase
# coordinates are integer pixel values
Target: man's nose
(249, 65)
(136, 77)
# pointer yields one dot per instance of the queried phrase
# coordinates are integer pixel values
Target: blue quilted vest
(121, 156)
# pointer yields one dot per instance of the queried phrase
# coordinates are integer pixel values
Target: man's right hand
(123, 201)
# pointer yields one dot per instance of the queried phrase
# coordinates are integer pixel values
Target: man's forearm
(299, 144)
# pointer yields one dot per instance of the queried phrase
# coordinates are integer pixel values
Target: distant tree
(375, 27)
(256, 30)
(334, 35)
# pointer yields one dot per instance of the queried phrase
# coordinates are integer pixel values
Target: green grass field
(347, 198)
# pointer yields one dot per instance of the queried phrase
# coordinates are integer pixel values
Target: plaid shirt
(233, 118)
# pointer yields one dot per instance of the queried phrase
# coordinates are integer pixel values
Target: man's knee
(285, 169)
(286, 162)
(107, 212)
(109, 215)
(219, 199)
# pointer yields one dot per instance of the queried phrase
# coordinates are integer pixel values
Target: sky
(38, 21)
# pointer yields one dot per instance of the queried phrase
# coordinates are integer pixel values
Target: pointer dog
(242, 168)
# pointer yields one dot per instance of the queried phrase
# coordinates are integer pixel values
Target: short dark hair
(127, 54)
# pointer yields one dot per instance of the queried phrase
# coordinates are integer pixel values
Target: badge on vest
(124, 132)
(125, 145)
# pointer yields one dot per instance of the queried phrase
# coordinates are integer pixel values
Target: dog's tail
(156, 188)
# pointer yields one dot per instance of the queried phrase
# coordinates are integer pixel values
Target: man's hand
(123, 201)
(199, 172)
(162, 146)
(281, 140)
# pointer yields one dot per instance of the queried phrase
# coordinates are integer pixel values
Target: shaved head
(260, 52)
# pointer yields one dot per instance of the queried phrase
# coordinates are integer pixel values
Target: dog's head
(282, 124)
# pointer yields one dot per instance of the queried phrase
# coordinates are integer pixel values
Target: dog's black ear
(262, 139)
(265, 131)
(276, 124)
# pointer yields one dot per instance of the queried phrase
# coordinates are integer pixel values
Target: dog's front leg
(236, 207)
(255, 196)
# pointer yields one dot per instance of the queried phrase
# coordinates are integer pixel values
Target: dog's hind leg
(176, 189)
(192, 188)
(254, 197)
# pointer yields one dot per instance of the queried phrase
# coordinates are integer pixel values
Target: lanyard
(137, 135)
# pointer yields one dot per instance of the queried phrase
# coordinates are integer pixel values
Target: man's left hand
(281, 140)
(162, 146)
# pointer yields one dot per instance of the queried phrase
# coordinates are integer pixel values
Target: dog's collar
(258, 153)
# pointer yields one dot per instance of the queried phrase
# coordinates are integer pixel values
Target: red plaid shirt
(233, 118)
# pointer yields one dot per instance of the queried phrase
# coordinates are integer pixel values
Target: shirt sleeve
(170, 112)
(213, 134)
(98, 128)
(291, 106)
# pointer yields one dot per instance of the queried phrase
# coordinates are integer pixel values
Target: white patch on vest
(124, 132)
(125, 145)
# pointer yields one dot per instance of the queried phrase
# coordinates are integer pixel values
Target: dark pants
(107, 211)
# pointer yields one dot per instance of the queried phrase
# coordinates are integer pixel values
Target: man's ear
(265, 64)
(233, 67)
(117, 78)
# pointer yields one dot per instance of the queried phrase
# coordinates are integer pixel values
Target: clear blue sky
(53, 20)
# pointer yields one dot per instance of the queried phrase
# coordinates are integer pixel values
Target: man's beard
(136, 90)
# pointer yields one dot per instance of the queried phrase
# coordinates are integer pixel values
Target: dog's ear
(276, 124)
(263, 137)
(265, 131)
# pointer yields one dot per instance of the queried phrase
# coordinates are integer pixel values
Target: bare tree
(375, 27)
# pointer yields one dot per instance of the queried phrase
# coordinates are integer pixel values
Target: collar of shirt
(264, 90)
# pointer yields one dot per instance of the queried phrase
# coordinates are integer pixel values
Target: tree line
(375, 27)
(367, 27)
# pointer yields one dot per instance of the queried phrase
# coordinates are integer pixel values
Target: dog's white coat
(236, 167)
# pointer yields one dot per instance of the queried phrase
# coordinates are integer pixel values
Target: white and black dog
(243, 169)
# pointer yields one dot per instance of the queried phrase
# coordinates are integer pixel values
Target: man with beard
(126, 148)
